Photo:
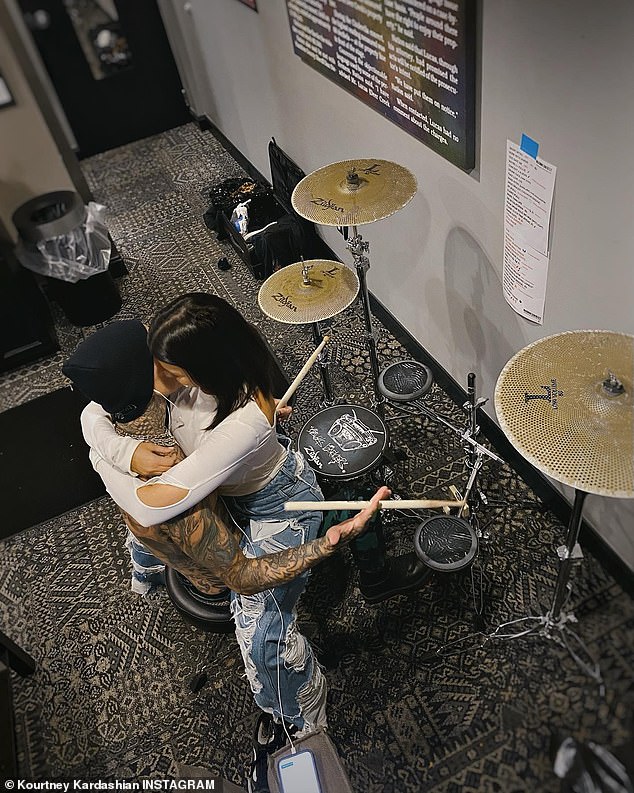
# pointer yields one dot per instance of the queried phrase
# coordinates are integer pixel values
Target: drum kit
(565, 402)
(344, 442)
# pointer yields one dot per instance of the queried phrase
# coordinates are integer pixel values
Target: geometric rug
(417, 701)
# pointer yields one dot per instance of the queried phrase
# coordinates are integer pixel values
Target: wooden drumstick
(421, 503)
(302, 374)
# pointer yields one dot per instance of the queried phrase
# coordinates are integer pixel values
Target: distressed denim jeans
(147, 571)
(283, 673)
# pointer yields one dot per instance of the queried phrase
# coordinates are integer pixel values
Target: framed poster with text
(411, 60)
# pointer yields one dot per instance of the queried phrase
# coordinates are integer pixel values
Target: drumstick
(421, 503)
(302, 374)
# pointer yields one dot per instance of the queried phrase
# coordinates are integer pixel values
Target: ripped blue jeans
(283, 673)
(148, 572)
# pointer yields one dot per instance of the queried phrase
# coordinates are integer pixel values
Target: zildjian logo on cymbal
(326, 203)
(550, 395)
(372, 169)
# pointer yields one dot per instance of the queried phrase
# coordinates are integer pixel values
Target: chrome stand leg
(326, 382)
(358, 247)
(555, 625)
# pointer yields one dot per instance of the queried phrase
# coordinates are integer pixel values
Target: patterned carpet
(110, 697)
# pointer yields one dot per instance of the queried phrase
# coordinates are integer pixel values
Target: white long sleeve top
(239, 456)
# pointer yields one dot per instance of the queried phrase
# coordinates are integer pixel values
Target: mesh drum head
(445, 543)
(559, 408)
(405, 381)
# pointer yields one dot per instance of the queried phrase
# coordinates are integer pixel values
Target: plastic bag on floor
(74, 256)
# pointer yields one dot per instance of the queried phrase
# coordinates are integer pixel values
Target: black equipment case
(290, 238)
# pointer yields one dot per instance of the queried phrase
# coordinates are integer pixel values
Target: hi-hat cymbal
(308, 291)
(565, 402)
(353, 192)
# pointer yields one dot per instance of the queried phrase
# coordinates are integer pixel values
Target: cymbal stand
(358, 247)
(475, 455)
(326, 382)
(468, 436)
(554, 626)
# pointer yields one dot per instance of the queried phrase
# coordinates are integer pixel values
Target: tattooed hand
(203, 546)
(355, 526)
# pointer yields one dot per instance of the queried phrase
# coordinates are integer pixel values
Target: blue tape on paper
(530, 146)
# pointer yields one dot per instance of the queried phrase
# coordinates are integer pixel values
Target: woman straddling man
(217, 371)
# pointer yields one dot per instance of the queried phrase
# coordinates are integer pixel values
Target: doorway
(112, 68)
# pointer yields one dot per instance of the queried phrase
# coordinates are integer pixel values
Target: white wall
(562, 72)
(30, 162)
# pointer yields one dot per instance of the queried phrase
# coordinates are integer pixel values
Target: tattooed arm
(213, 546)
(167, 541)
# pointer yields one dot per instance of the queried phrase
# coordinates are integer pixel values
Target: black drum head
(405, 381)
(343, 441)
(445, 543)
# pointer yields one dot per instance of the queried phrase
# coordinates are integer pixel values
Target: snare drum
(405, 381)
(342, 442)
(446, 543)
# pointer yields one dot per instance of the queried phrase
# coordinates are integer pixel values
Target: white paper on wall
(528, 199)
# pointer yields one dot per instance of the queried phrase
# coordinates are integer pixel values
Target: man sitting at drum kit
(263, 560)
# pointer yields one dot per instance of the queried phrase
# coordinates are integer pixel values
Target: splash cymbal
(566, 404)
(309, 291)
(353, 192)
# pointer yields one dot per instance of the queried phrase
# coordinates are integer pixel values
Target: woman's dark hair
(216, 346)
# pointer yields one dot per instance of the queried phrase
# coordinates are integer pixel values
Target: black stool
(208, 613)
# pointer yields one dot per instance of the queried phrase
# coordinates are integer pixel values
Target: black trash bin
(58, 218)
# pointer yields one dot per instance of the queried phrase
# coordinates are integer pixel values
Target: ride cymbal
(565, 402)
(353, 192)
(308, 291)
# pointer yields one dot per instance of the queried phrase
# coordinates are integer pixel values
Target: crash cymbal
(353, 192)
(565, 403)
(308, 291)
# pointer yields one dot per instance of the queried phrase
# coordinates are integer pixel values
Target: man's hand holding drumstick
(353, 527)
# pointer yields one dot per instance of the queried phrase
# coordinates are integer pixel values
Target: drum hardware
(358, 248)
(412, 404)
(395, 381)
(324, 372)
(348, 194)
(344, 444)
(404, 384)
(565, 403)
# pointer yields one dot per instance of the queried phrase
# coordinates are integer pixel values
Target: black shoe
(404, 573)
(268, 737)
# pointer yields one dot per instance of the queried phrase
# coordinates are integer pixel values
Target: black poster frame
(435, 135)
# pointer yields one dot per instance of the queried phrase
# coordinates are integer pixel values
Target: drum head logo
(349, 433)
